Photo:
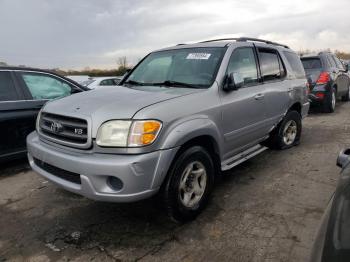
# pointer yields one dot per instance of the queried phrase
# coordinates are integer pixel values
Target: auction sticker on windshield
(204, 56)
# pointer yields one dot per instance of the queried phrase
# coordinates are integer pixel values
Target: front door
(243, 109)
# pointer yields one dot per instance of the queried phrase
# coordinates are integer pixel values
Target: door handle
(259, 96)
(290, 89)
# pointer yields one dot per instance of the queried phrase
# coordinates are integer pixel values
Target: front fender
(181, 132)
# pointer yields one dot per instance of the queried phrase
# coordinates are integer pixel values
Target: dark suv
(23, 91)
(328, 79)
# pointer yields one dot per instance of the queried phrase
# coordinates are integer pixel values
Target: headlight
(122, 133)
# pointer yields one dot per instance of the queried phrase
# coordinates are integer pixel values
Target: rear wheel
(330, 101)
(287, 133)
(188, 185)
(346, 97)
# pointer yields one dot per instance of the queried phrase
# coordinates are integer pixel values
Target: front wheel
(287, 133)
(188, 185)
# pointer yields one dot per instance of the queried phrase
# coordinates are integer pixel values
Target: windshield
(187, 67)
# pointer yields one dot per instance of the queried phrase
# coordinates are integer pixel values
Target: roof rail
(325, 52)
(245, 39)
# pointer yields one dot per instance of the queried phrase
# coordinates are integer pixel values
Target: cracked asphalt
(266, 209)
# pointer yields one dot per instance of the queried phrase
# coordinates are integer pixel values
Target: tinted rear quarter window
(338, 63)
(312, 63)
(295, 63)
(331, 61)
(271, 65)
(7, 87)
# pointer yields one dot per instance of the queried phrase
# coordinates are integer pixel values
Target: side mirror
(233, 81)
(343, 158)
(346, 66)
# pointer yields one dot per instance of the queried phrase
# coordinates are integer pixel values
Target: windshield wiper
(132, 82)
(175, 83)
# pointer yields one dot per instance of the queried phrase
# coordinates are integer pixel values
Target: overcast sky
(80, 33)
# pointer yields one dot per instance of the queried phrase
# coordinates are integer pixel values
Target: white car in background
(96, 82)
(78, 78)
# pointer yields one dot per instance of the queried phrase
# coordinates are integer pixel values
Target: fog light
(115, 183)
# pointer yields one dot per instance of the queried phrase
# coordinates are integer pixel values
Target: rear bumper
(141, 175)
(314, 99)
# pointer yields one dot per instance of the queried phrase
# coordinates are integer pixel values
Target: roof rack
(246, 39)
(325, 52)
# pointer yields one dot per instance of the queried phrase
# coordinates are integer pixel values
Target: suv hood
(109, 103)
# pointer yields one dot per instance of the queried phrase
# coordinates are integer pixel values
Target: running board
(241, 157)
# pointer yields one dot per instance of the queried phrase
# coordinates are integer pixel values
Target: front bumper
(141, 175)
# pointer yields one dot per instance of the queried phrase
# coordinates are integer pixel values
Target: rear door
(14, 118)
(277, 90)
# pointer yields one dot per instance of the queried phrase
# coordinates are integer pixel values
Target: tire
(278, 140)
(180, 204)
(346, 97)
(329, 103)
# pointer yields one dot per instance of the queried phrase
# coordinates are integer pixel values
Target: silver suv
(181, 116)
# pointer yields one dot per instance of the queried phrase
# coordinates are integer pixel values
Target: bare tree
(122, 62)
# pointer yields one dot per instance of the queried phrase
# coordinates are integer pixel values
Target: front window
(187, 67)
(42, 86)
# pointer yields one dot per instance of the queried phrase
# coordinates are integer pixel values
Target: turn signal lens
(144, 133)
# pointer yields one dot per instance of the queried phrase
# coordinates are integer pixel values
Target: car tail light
(320, 95)
(323, 78)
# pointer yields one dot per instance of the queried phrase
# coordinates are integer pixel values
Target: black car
(333, 240)
(328, 80)
(23, 91)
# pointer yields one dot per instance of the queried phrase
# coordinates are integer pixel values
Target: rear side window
(311, 63)
(295, 63)
(7, 87)
(43, 87)
(331, 61)
(271, 65)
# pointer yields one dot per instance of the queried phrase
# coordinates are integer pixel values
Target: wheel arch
(195, 132)
(295, 107)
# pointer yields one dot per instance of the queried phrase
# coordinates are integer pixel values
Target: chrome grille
(64, 129)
